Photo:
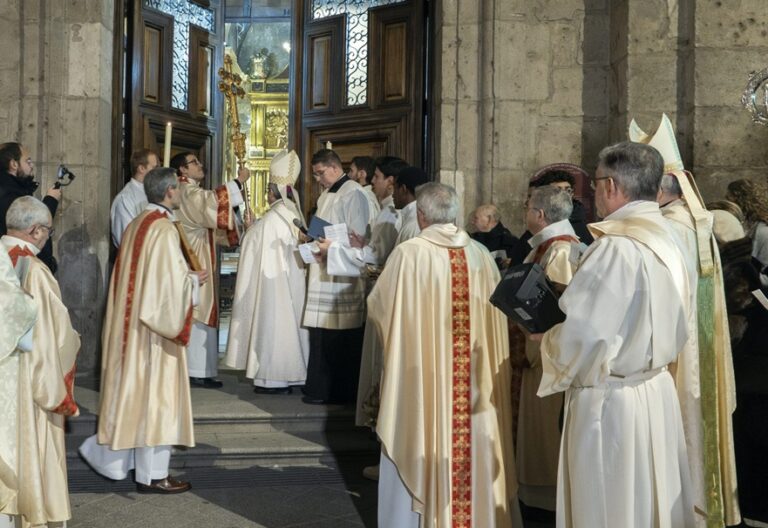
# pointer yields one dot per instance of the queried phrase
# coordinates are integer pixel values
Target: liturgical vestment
(445, 416)
(145, 396)
(17, 317)
(557, 249)
(207, 217)
(623, 458)
(46, 379)
(707, 369)
(266, 338)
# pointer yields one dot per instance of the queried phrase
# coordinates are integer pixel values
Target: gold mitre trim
(284, 168)
(663, 140)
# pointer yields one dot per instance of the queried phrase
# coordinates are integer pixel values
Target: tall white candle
(167, 146)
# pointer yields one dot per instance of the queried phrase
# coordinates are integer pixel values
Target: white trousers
(150, 463)
(394, 499)
(202, 351)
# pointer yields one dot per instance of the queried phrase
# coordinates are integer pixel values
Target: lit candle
(167, 146)
(328, 145)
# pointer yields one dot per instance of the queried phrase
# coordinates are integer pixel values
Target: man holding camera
(17, 178)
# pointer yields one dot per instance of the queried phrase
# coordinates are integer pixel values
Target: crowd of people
(620, 415)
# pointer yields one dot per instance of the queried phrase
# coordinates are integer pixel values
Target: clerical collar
(12, 241)
(336, 186)
(162, 209)
(562, 227)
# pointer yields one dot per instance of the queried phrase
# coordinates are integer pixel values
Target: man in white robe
(445, 417)
(404, 196)
(131, 201)
(46, 375)
(623, 459)
(361, 170)
(351, 259)
(704, 374)
(207, 217)
(335, 307)
(266, 338)
(17, 318)
(557, 249)
(145, 406)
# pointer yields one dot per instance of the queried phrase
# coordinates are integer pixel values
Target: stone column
(56, 98)
(508, 96)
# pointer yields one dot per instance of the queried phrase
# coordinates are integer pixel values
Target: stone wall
(56, 98)
(523, 83)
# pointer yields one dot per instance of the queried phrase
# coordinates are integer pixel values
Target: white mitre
(663, 140)
(284, 170)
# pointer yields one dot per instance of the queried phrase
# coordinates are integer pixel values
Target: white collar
(563, 227)
(409, 209)
(137, 183)
(637, 207)
(389, 201)
(11, 241)
(157, 207)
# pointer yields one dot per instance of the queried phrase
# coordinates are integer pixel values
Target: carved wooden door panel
(174, 54)
(361, 70)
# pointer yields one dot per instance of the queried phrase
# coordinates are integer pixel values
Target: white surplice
(126, 206)
(623, 458)
(373, 202)
(409, 224)
(348, 261)
(265, 336)
(335, 302)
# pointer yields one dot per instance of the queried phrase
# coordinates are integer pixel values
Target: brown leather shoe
(167, 486)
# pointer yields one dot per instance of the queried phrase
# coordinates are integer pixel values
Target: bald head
(485, 217)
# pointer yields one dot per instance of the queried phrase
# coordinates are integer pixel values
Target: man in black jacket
(17, 179)
(490, 232)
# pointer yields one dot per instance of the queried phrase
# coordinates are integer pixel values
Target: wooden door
(358, 81)
(173, 54)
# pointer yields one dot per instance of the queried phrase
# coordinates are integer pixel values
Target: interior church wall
(56, 98)
(520, 84)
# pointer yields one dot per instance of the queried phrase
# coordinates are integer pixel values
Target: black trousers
(333, 370)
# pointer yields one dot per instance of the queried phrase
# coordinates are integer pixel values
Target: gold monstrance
(229, 85)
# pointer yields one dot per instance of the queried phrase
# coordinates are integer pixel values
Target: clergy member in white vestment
(266, 338)
(445, 418)
(335, 307)
(557, 249)
(405, 202)
(17, 318)
(207, 217)
(704, 372)
(145, 406)
(623, 459)
(46, 375)
(361, 170)
(131, 201)
(350, 260)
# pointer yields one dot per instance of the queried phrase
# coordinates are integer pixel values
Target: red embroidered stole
(544, 246)
(461, 444)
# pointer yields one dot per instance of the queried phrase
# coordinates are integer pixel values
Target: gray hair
(555, 202)
(670, 185)
(26, 212)
(157, 181)
(635, 168)
(437, 202)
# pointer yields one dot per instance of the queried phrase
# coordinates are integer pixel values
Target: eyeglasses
(593, 181)
(192, 162)
(50, 229)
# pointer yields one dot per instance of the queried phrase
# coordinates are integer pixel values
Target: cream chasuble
(266, 338)
(710, 451)
(46, 379)
(335, 302)
(207, 217)
(623, 459)
(557, 249)
(17, 317)
(445, 416)
(145, 399)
